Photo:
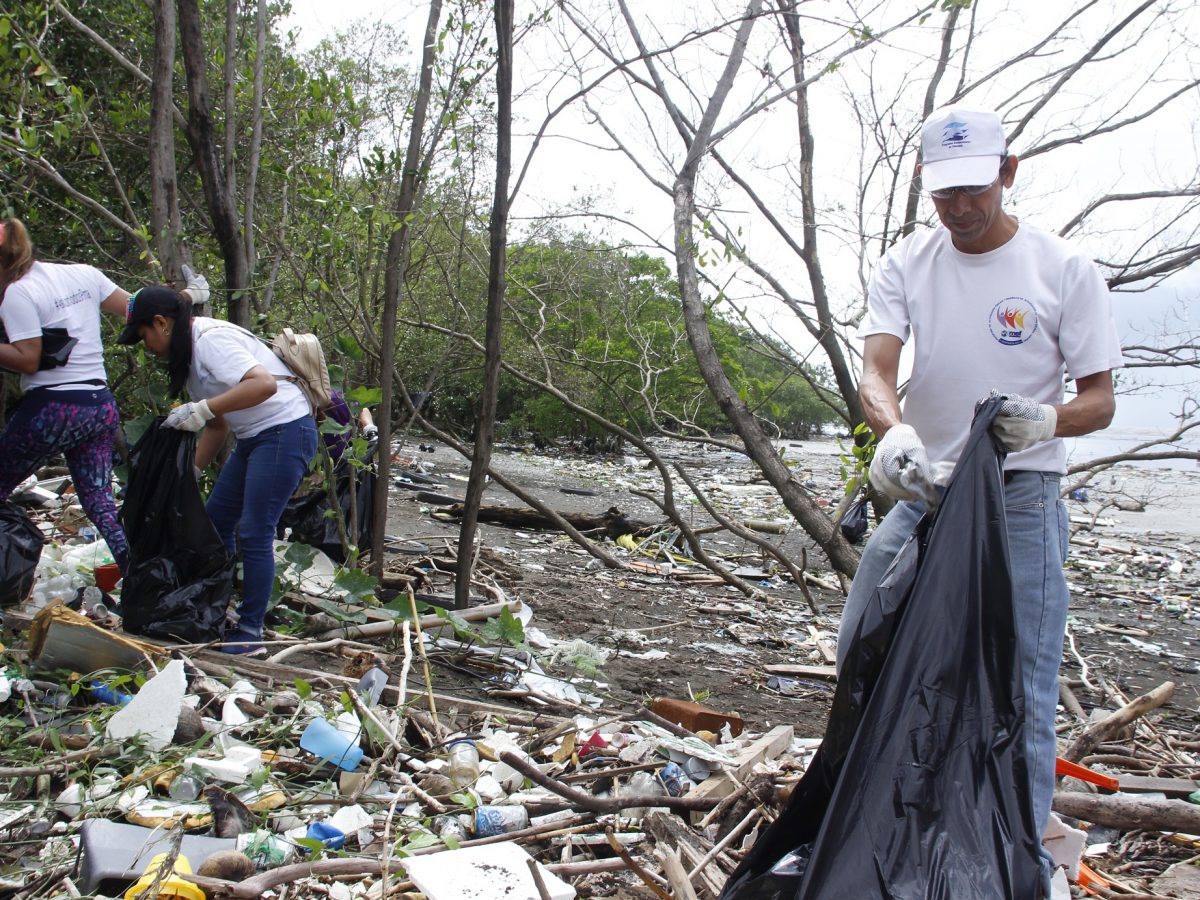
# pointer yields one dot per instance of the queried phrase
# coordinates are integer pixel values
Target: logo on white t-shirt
(1013, 321)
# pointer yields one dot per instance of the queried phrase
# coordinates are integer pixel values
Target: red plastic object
(1062, 767)
(592, 744)
(107, 576)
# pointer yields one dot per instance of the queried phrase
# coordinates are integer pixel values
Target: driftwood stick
(583, 800)
(676, 874)
(537, 879)
(1103, 730)
(383, 629)
(634, 866)
(1127, 813)
(51, 766)
(1070, 701)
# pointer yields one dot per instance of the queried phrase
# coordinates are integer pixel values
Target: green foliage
(856, 464)
(505, 628)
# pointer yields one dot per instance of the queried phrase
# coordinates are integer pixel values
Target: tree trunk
(397, 262)
(218, 191)
(812, 519)
(164, 185)
(485, 424)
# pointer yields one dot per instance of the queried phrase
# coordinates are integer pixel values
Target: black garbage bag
(307, 514)
(180, 576)
(854, 522)
(20, 549)
(920, 790)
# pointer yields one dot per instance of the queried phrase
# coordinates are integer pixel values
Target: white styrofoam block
(481, 873)
(154, 710)
(1059, 889)
(1064, 844)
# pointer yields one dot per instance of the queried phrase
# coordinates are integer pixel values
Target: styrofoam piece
(1059, 888)
(481, 873)
(154, 712)
(237, 765)
(1064, 844)
(231, 714)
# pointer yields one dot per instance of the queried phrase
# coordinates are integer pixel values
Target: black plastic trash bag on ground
(920, 790)
(180, 575)
(20, 549)
(307, 515)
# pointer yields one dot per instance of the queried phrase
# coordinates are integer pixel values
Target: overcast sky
(563, 172)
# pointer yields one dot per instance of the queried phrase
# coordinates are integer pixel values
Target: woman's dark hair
(179, 354)
(16, 253)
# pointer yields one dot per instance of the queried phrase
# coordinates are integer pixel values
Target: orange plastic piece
(1083, 773)
(1089, 878)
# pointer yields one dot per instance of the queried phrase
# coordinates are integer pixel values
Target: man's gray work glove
(901, 468)
(196, 287)
(1022, 422)
(189, 416)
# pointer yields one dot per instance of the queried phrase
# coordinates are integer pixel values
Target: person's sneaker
(243, 644)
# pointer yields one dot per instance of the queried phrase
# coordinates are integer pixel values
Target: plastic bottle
(463, 757)
(185, 788)
(642, 784)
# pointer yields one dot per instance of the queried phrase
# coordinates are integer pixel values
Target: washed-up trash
(60, 638)
(494, 820)
(268, 851)
(899, 730)
(854, 523)
(462, 757)
(324, 740)
(331, 836)
(168, 882)
(20, 548)
(154, 712)
(481, 873)
(695, 716)
(235, 767)
(113, 853)
(180, 576)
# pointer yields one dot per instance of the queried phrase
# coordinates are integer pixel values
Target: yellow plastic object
(170, 886)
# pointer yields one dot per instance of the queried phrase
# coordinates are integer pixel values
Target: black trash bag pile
(20, 549)
(307, 514)
(920, 790)
(180, 575)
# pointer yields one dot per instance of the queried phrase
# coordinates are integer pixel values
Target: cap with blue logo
(961, 147)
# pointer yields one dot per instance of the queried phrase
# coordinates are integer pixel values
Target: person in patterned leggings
(65, 407)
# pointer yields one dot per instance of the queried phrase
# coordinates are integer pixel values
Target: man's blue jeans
(247, 501)
(1037, 538)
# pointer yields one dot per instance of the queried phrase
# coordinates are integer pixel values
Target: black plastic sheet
(920, 790)
(307, 515)
(180, 576)
(20, 549)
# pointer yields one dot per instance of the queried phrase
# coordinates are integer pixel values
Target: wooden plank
(800, 671)
(720, 784)
(1149, 783)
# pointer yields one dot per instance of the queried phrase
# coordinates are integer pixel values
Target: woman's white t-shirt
(222, 354)
(1019, 319)
(56, 295)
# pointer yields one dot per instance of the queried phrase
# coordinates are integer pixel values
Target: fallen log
(613, 522)
(1095, 735)
(1129, 813)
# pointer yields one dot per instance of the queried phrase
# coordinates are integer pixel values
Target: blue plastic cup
(323, 740)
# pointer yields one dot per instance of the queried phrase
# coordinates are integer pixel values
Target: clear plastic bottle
(463, 757)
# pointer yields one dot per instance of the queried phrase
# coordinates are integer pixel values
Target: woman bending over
(235, 383)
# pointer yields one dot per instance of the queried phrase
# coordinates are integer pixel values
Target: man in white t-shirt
(989, 304)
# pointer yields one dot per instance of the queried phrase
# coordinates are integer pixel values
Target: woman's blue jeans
(1037, 538)
(247, 502)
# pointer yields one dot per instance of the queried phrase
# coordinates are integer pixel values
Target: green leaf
(311, 844)
(365, 396)
(349, 345)
(357, 584)
(300, 555)
(506, 628)
(303, 688)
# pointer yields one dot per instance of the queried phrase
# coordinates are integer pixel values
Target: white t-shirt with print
(222, 354)
(56, 295)
(1019, 319)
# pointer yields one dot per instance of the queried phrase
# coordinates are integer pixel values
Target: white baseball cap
(961, 147)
